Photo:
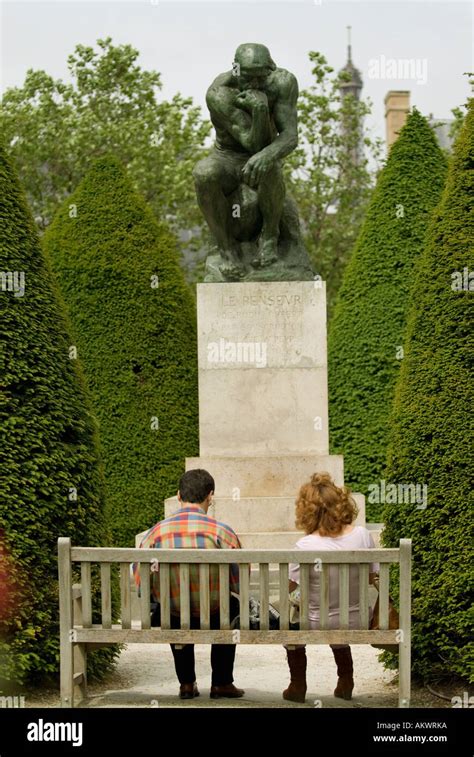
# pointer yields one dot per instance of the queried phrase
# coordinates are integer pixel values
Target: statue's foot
(231, 269)
(267, 253)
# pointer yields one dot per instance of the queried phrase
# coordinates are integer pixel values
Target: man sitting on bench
(192, 528)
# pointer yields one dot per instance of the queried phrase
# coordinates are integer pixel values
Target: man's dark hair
(195, 485)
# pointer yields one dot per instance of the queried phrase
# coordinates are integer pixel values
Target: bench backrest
(263, 561)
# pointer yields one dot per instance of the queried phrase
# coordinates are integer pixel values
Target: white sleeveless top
(358, 538)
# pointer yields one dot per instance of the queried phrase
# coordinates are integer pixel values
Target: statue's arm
(285, 117)
(252, 131)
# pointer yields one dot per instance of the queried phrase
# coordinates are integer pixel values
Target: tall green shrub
(366, 333)
(134, 322)
(431, 430)
(52, 483)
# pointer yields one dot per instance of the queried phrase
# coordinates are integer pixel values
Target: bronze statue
(240, 186)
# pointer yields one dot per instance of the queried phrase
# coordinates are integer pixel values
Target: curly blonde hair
(324, 507)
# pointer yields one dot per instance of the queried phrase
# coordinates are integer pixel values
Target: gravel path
(145, 677)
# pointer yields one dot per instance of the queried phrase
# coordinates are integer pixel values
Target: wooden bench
(78, 633)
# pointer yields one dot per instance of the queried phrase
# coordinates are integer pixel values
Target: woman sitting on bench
(326, 513)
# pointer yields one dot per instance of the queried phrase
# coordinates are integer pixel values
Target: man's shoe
(188, 690)
(229, 690)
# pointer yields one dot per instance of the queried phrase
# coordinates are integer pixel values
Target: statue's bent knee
(204, 174)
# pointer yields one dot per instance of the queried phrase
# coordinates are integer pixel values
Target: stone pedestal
(262, 369)
(263, 407)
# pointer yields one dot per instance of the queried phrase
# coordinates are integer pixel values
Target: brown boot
(345, 681)
(296, 691)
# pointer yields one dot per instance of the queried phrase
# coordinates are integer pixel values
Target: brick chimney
(397, 106)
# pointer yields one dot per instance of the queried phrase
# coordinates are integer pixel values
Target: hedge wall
(52, 484)
(367, 329)
(134, 323)
(431, 430)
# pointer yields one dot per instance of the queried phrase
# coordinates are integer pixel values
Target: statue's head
(252, 66)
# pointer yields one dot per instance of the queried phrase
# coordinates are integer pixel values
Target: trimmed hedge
(367, 329)
(48, 449)
(134, 321)
(431, 431)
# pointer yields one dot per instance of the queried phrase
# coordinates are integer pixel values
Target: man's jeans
(222, 655)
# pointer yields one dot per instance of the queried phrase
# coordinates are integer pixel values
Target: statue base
(263, 406)
(293, 264)
(262, 368)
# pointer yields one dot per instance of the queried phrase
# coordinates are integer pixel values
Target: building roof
(356, 77)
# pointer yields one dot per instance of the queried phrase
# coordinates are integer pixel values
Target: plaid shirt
(191, 528)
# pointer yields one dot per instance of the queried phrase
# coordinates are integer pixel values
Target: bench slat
(383, 596)
(164, 577)
(244, 591)
(264, 595)
(105, 594)
(284, 597)
(364, 595)
(204, 597)
(145, 594)
(155, 635)
(86, 594)
(343, 597)
(304, 600)
(224, 597)
(121, 554)
(184, 597)
(125, 596)
(324, 597)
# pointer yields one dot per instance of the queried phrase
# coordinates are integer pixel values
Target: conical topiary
(365, 346)
(431, 430)
(134, 322)
(52, 484)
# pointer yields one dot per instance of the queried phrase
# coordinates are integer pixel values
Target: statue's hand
(251, 99)
(255, 168)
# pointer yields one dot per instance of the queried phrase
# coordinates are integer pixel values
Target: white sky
(189, 43)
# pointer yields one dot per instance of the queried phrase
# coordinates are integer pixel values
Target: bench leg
(66, 672)
(404, 673)
(80, 667)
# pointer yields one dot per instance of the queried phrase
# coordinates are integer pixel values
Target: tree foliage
(52, 481)
(56, 129)
(431, 430)
(329, 172)
(133, 317)
(366, 335)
